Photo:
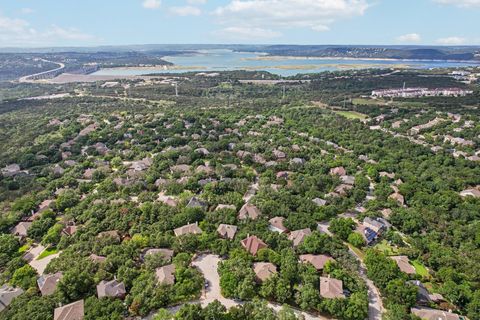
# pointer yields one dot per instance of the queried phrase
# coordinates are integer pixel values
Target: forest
(134, 185)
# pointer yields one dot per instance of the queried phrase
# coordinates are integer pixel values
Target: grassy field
(420, 268)
(47, 252)
(351, 114)
(368, 102)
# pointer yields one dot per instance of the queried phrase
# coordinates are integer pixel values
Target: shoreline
(279, 58)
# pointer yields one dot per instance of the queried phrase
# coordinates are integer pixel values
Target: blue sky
(34, 23)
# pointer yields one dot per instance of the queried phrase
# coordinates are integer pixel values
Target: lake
(227, 60)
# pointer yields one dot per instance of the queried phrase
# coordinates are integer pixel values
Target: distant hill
(465, 53)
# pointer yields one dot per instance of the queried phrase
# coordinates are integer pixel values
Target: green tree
(24, 277)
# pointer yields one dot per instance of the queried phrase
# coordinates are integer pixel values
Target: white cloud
(186, 11)
(245, 34)
(19, 32)
(274, 15)
(152, 4)
(410, 37)
(196, 2)
(460, 3)
(451, 41)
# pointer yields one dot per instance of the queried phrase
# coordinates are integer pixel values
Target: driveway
(39, 265)
(208, 265)
(375, 305)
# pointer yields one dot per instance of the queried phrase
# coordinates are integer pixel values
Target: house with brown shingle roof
(188, 229)
(225, 206)
(21, 229)
(7, 294)
(470, 193)
(318, 261)
(72, 311)
(252, 244)
(69, 230)
(109, 234)
(264, 270)
(339, 171)
(276, 225)
(166, 274)
(111, 289)
(298, 236)
(404, 264)
(433, 314)
(47, 283)
(97, 259)
(397, 197)
(249, 211)
(227, 231)
(331, 288)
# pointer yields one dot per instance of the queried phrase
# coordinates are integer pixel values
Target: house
(7, 294)
(298, 236)
(264, 270)
(72, 311)
(339, 171)
(167, 200)
(404, 264)
(470, 193)
(111, 289)
(375, 224)
(319, 202)
(188, 229)
(249, 211)
(252, 244)
(166, 274)
(318, 261)
(225, 206)
(297, 161)
(387, 174)
(433, 314)
(197, 203)
(424, 297)
(331, 288)
(397, 197)
(97, 259)
(182, 168)
(343, 189)
(276, 225)
(167, 254)
(21, 229)
(280, 155)
(109, 234)
(202, 151)
(227, 231)
(47, 283)
(10, 170)
(350, 180)
(69, 230)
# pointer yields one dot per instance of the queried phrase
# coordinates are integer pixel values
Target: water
(227, 60)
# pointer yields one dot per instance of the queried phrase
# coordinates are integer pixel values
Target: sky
(45, 23)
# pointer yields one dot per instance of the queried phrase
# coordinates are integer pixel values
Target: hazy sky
(114, 22)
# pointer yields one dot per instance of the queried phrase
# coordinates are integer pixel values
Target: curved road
(208, 265)
(26, 78)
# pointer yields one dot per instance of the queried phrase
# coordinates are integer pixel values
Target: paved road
(375, 305)
(208, 265)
